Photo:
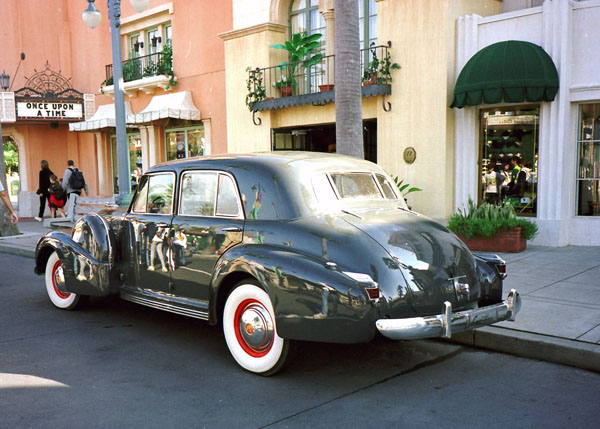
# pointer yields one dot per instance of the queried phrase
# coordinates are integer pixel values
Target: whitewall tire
(250, 330)
(54, 276)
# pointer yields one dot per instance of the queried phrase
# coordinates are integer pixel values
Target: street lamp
(4, 80)
(91, 16)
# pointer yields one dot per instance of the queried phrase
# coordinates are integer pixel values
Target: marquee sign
(55, 110)
(48, 96)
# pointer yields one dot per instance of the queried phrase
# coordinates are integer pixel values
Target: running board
(197, 314)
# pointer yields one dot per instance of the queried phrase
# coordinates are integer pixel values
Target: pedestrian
(6, 200)
(73, 181)
(44, 184)
(57, 198)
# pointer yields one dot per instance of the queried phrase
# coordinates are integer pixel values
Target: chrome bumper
(443, 325)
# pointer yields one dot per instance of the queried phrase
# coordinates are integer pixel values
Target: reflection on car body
(279, 247)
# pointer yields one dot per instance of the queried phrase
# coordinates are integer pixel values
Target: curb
(547, 348)
(28, 253)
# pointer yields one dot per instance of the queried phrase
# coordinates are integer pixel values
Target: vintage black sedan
(279, 247)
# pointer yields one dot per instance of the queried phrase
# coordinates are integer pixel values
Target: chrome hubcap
(59, 278)
(256, 327)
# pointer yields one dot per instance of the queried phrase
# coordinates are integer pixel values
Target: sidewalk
(559, 319)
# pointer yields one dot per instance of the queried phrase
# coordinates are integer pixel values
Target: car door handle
(232, 229)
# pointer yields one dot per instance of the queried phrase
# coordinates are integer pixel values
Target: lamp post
(91, 16)
(4, 84)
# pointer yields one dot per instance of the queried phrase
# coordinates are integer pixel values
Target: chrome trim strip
(164, 306)
(443, 325)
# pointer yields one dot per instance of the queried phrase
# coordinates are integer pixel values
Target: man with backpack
(73, 181)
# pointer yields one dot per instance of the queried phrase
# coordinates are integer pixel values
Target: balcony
(144, 73)
(294, 85)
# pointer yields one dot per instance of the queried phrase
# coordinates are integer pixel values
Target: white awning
(103, 118)
(178, 105)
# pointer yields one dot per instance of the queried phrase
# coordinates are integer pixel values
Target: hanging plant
(255, 87)
(165, 66)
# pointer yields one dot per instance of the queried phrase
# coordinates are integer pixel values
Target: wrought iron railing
(295, 79)
(139, 67)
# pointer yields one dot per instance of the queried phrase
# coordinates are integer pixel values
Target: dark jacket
(45, 174)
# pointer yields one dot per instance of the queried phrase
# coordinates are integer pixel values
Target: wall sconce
(137, 46)
(155, 41)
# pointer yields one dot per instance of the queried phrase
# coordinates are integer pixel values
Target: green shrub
(487, 219)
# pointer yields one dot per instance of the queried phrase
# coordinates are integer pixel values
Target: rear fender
(311, 301)
(490, 277)
(87, 257)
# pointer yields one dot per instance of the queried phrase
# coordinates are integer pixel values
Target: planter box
(510, 240)
(326, 87)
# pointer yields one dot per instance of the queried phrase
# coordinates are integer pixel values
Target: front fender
(311, 301)
(87, 257)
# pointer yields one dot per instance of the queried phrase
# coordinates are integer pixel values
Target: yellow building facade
(411, 111)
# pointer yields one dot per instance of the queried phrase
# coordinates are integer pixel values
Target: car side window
(198, 194)
(160, 193)
(139, 205)
(227, 198)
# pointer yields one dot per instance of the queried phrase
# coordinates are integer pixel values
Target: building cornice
(243, 32)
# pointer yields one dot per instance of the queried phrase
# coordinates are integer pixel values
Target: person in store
(493, 181)
(514, 173)
(6, 200)
(44, 184)
(504, 185)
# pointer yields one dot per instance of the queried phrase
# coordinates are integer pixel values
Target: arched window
(305, 17)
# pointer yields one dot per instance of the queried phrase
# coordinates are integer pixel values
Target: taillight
(373, 292)
(502, 270)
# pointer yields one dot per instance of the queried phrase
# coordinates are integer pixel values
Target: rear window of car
(362, 186)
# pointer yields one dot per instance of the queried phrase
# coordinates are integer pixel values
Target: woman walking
(42, 191)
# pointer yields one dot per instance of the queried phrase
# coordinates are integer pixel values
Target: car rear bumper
(443, 325)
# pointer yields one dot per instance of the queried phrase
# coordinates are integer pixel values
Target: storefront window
(509, 155)
(185, 143)
(588, 151)
(321, 138)
(135, 160)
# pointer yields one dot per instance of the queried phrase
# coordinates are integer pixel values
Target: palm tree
(348, 97)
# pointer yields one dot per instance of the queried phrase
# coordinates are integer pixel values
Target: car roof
(312, 161)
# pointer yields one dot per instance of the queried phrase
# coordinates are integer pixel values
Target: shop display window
(185, 142)
(588, 153)
(321, 138)
(508, 168)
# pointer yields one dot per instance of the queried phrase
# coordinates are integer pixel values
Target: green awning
(511, 72)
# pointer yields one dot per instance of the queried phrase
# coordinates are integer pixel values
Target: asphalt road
(116, 364)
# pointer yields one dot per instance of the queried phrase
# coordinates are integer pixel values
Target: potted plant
(255, 87)
(286, 85)
(300, 50)
(405, 188)
(492, 227)
(379, 70)
(370, 73)
(326, 87)
(385, 67)
(165, 65)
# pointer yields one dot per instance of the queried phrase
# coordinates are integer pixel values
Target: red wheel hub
(254, 329)
(59, 293)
